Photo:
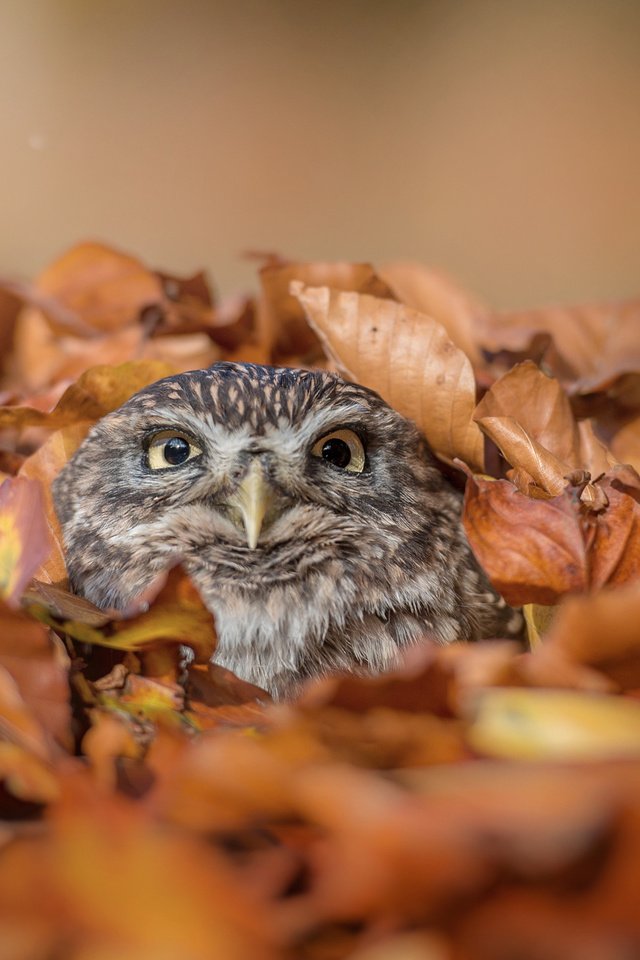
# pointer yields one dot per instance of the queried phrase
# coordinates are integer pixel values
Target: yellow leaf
(555, 725)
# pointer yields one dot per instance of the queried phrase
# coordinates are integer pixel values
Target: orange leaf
(532, 550)
(106, 289)
(43, 466)
(407, 358)
(39, 669)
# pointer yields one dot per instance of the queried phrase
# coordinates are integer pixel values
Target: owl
(312, 517)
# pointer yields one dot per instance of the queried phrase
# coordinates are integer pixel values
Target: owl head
(252, 476)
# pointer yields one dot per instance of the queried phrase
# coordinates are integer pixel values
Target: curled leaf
(407, 358)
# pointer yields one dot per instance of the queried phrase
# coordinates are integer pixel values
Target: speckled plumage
(348, 570)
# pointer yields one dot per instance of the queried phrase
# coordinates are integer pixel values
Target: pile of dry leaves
(482, 803)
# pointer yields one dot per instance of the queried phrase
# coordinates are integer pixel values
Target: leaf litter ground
(480, 802)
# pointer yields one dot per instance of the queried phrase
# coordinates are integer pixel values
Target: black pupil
(337, 452)
(176, 450)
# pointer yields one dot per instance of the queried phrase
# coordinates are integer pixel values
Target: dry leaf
(40, 671)
(538, 620)
(407, 358)
(281, 324)
(24, 536)
(530, 459)
(540, 406)
(560, 725)
(102, 287)
(625, 444)
(538, 567)
(432, 292)
(97, 392)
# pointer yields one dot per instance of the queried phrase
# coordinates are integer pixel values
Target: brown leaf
(109, 738)
(39, 668)
(582, 335)
(594, 455)
(538, 620)
(282, 326)
(105, 881)
(601, 631)
(43, 466)
(406, 357)
(614, 553)
(434, 293)
(106, 289)
(530, 459)
(97, 392)
(532, 550)
(419, 684)
(528, 415)
(214, 686)
(625, 444)
(24, 535)
(26, 775)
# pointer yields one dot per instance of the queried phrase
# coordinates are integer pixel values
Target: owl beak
(252, 500)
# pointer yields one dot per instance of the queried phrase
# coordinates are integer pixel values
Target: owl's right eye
(170, 449)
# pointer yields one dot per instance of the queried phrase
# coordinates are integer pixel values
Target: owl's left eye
(170, 449)
(342, 448)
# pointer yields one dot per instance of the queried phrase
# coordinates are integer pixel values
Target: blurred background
(499, 139)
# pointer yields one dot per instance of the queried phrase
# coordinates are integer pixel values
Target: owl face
(251, 475)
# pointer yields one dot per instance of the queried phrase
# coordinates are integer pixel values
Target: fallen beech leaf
(549, 724)
(26, 775)
(434, 293)
(214, 686)
(63, 605)
(532, 550)
(106, 289)
(601, 631)
(38, 667)
(97, 392)
(614, 553)
(541, 408)
(521, 450)
(625, 444)
(418, 684)
(24, 537)
(528, 415)
(43, 466)
(407, 358)
(538, 620)
(594, 456)
(109, 738)
(106, 881)
(176, 616)
(580, 333)
(281, 322)
(17, 723)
